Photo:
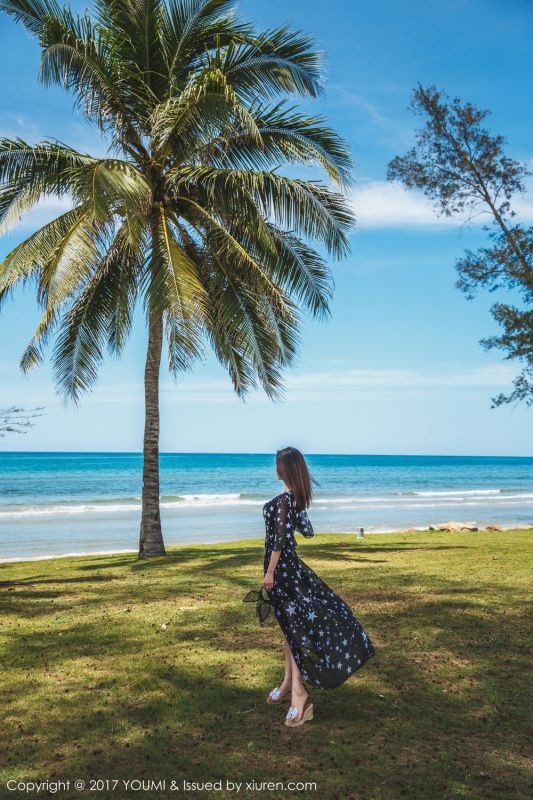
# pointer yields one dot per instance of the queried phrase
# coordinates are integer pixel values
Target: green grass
(94, 687)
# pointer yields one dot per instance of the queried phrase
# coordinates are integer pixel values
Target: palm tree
(189, 213)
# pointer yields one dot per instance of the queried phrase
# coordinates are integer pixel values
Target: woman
(324, 642)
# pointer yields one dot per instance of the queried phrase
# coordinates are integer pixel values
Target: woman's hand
(268, 581)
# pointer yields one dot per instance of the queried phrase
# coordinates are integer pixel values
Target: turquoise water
(59, 503)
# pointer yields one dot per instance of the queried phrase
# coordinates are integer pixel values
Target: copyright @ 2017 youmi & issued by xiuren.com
(135, 785)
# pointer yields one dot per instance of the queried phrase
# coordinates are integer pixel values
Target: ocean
(69, 503)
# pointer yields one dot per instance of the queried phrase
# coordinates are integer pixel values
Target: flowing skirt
(326, 639)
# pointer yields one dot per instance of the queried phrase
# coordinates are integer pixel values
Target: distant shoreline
(70, 503)
(88, 554)
(260, 453)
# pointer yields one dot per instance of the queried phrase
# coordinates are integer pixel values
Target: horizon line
(253, 453)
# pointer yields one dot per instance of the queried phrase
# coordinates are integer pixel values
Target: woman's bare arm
(268, 582)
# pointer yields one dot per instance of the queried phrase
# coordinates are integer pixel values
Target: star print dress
(327, 641)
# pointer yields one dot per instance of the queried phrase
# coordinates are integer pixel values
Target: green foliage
(190, 214)
(461, 166)
(497, 267)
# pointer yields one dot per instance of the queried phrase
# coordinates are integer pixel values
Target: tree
(461, 167)
(190, 213)
(17, 420)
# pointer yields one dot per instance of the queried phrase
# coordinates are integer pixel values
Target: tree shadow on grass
(40, 581)
(219, 575)
(183, 554)
(439, 709)
(401, 723)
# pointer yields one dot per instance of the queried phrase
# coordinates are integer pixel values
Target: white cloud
(491, 375)
(383, 204)
(344, 384)
(327, 386)
(377, 204)
(380, 204)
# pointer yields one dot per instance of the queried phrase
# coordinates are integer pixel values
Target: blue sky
(398, 368)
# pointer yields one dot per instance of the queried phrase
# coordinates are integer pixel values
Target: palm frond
(222, 244)
(301, 271)
(190, 28)
(175, 290)
(112, 186)
(28, 173)
(71, 261)
(276, 61)
(126, 258)
(33, 14)
(206, 103)
(134, 28)
(285, 136)
(192, 213)
(83, 65)
(28, 258)
(101, 314)
(19, 159)
(33, 354)
(245, 333)
(305, 207)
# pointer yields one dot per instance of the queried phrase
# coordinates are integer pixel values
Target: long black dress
(327, 641)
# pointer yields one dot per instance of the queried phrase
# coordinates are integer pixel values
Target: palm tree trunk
(151, 536)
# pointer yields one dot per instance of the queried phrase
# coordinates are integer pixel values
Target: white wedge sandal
(276, 696)
(292, 714)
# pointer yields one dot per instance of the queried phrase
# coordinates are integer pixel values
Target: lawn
(118, 670)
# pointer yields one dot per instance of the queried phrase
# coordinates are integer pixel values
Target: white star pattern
(296, 584)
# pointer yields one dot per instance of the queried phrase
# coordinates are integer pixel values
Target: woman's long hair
(292, 469)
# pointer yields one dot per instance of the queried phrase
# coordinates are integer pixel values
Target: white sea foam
(407, 497)
(108, 507)
(461, 492)
(82, 508)
(415, 499)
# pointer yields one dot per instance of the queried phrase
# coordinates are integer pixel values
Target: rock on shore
(464, 526)
(454, 526)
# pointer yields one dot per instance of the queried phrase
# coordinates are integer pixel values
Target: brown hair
(292, 468)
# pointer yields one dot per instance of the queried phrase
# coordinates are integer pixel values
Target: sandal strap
(292, 712)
